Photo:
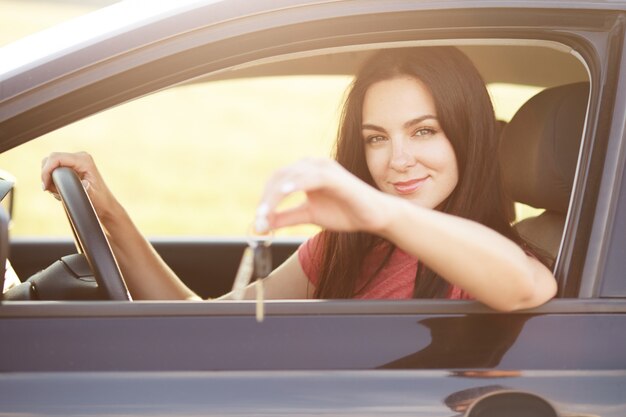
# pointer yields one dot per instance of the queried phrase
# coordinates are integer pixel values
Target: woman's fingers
(304, 175)
(48, 164)
(289, 217)
(80, 162)
(333, 197)
(265, 218)
(84, 166)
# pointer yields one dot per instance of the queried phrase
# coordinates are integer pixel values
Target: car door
(323, 357)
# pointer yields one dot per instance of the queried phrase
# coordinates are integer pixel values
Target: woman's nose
(401, 156)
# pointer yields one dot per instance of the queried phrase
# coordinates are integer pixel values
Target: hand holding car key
(255, 262)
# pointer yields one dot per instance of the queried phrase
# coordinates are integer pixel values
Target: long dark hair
(466, 115)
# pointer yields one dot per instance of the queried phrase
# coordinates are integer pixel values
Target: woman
(415, 178)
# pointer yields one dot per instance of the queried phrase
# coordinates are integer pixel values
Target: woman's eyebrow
(419, 120)
(412, 122)
(369, 126)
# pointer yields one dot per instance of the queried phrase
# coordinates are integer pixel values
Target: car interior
(539, 154)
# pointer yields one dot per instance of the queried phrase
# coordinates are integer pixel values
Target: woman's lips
(408, 187)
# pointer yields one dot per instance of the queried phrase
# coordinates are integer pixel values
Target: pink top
(395, 281)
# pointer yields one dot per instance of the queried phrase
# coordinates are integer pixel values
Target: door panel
(304, 335)
(301, 393)
(207, 266)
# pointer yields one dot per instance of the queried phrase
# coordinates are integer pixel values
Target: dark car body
(320, 357)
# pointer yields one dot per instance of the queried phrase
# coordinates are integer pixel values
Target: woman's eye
(374, 139)
(424, 131)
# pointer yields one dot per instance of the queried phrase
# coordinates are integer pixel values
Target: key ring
(253, 238)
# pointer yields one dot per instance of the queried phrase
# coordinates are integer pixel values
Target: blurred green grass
(193, 159)
(190, 160)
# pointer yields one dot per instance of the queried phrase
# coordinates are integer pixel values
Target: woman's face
(407, 152)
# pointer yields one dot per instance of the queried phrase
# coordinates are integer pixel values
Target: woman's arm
(288, 281)
(490, 267)
(147, 276)
(487, 265)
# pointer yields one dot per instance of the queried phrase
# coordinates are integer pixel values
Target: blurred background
(192, 159)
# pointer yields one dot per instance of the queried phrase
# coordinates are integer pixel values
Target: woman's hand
(83, 164)
(335, 199)
(148, 277)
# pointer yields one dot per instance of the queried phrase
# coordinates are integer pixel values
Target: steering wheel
(88, 233)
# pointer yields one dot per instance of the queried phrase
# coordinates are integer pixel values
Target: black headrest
(539, 147)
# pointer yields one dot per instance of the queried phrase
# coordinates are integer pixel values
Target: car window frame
(597, 52)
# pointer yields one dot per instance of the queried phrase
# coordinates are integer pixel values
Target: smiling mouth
(408, 187)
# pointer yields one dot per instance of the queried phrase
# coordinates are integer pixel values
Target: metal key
(256, 262)
(262, 259)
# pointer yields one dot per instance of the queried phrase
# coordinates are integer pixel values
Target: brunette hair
(466, 115)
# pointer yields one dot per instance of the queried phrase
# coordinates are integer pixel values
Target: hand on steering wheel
(89, 235)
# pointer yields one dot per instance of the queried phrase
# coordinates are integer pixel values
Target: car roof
(119, 24)
(126, 35)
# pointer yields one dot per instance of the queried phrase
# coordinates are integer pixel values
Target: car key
(262, 259)
(256, 262)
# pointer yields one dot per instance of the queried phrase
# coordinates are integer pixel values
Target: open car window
(190, 161)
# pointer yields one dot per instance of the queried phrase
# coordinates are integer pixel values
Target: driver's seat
(538, 155)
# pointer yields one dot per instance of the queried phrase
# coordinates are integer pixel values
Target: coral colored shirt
(395, 281)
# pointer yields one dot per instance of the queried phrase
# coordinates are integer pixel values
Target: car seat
(538, 156)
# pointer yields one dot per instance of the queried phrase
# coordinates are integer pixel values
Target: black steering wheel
(88, 233)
